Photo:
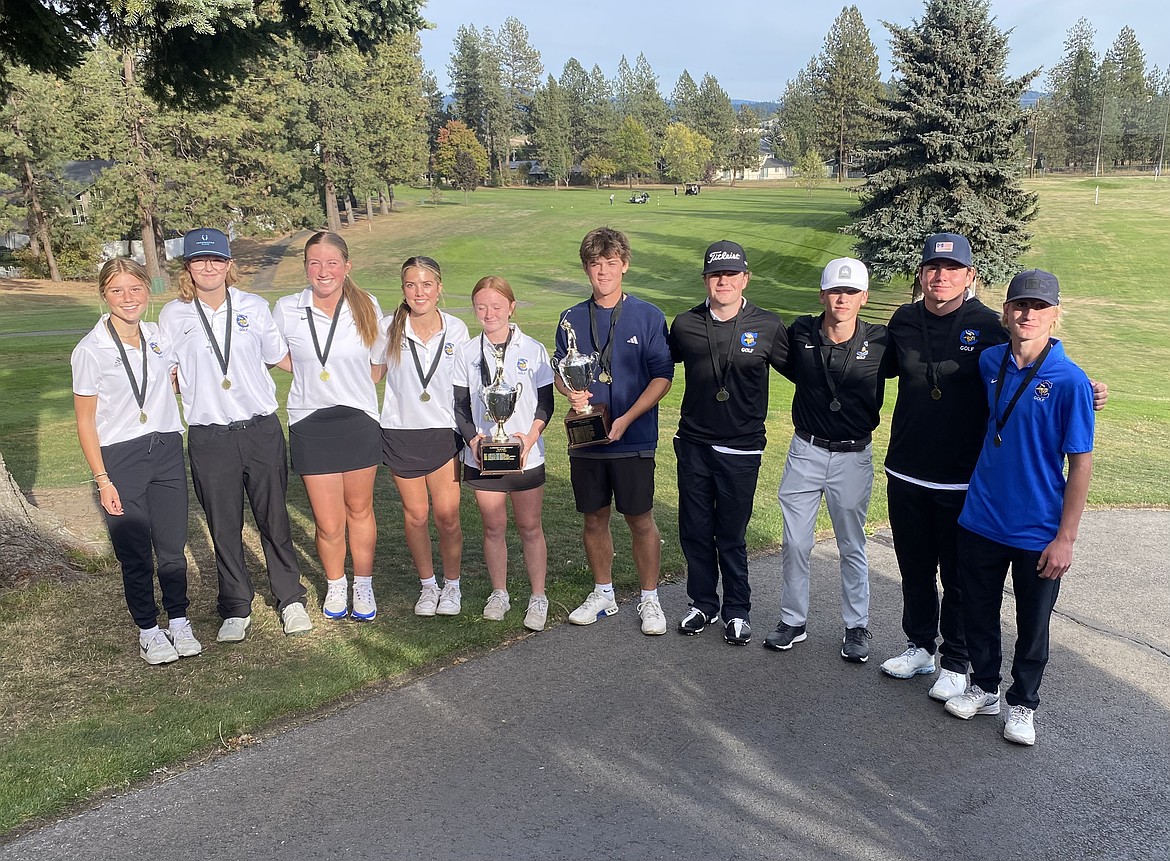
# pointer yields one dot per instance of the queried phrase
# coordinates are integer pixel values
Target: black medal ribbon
(721, 393)
(323, 355)
(1001, 421)
(605, 354)
(426, 380)
(139, 394)
(223, 356)
(850, 349)
(498, 349)
(932, 366)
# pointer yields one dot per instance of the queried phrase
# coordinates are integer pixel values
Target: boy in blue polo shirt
(1020, 509)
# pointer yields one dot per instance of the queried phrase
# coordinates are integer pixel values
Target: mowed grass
(80, 713)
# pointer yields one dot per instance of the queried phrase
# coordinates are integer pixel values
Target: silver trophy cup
(590, 424)
(502, 454)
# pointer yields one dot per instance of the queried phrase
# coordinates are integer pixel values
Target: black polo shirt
(757, 341)
(859, 368)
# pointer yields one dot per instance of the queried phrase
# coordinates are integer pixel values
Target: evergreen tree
(846, 86)
(796, 120)
(574, 84)
(715, 121)
(550, 132)
(601, 119)
(519, 70)
(1074, 87)
(949, 156)
(685, 102)
(396, 114)
(745, 150)
(1129, 132)
(636, 95)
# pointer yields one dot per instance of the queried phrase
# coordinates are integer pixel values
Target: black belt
(244, 424)
(834, 445)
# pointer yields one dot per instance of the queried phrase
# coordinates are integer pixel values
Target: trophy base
(590, 428)
(500, 458)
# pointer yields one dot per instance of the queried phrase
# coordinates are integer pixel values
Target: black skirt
(415, 452)
(334, 440)
(525, 480)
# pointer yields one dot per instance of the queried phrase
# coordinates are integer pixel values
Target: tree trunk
(332, 216)
(146, 189)
(384, 199)
(350, 218)
(40, 222)
(370, 211)
(29, 541)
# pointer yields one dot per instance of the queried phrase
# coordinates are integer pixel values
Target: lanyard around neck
(323, 355)
(721, 393)
(605, 354)
(223, 356)
(497, 350)
(1001, 421)
(850, 350)
(139, 394)
(932, 367)
(425, 379)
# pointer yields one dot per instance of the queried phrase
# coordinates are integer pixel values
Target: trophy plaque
(588, 426)
(501, 454)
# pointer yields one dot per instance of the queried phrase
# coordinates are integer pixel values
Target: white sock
(179, 622)
(368, 582)
(430, 581)
(453, 584)
(338, 586)
(605, 589)
(649, 593)
(145, 634)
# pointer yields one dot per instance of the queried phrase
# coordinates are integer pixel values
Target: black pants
(225, 463)
(983, 567)
(925, 523)
(152, 483)
(715, 496)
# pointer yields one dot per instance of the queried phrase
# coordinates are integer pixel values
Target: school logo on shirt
(968, 338)
(155, 348)
(863, 353)
(449, 349)
(749, 339)
(242, 322)
(522, 365)
(1043, 390)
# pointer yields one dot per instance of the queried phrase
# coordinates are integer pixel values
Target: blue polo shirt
(1017, 492)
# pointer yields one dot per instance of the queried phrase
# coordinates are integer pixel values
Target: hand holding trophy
(502, 455)
(589, 425)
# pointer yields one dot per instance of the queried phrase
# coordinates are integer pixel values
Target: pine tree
(1130, 95)
(745, 150)
(550, 131)
(949, 156)
(796, 120)
(846, 85)
(715, 121)
(1074, 85)
(684, 101)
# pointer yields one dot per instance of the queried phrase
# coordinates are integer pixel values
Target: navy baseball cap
(1035, 284)
(724, 256)
(947, 246)
(206, 242)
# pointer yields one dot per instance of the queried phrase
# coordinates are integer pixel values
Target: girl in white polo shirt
(416, 353)
(526, 364)
(131, 435)
(335, 443)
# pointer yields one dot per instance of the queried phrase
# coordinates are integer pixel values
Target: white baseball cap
(845, 272)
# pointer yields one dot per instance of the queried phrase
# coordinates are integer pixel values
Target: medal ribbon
(850, 350)
(222, 356)
(139, 394)
(1001, 421)
(605, 353)
(497, 350)
(931, 365)
(426, 380)
(323, 357)
(715, 366)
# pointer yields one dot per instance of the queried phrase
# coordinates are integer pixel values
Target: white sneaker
(912, 662)
(974, 701)
(450, 599)
(234, 630)
(537, 614)
(498, 604)
(365, 608)
(336, 604)
(156, 649)
(1019, 727)
(428, 601)
(595, 606)
(183, 638)
(653, 619)
(948, 685)
(295, 619)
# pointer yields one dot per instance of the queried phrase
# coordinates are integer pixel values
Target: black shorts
(334, 440)
(413, 453)
(526, 480)
(626, 481)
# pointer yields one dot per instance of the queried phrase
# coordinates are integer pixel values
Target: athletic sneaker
(595, 606)
(295, 619)
(738, 632)
(155, 648)
(234, 629)
(428, 601)
(1019, 727)
(498, 604)
(912, 662)
(450, 599)
(694, 622)
(184, 640)
(537, 614)
(365, 608)
(974, 701)
(336, 604)
(653, 619)
(948, 685)
(853, 646)
(785, 637)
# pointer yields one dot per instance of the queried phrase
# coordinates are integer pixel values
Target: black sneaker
(784, 637)
(853, 645)
(694, 622)
(738, 632)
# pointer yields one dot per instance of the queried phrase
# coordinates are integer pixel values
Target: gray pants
(845, 479)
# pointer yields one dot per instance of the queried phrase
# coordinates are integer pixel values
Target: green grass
(79, 713)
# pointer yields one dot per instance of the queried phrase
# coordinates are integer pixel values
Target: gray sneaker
(450, 599)
(183, 638)
(234, 630)
(156, 649)
(537, 615)
(974, 701)
(498, 605)
(296, 620)
(428, 601)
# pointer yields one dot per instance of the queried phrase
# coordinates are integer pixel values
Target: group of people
(970, 492)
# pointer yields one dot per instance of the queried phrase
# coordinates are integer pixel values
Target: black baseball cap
(1035, 284)
(724, 256)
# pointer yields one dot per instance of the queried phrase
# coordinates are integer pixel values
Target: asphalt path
(599, 742)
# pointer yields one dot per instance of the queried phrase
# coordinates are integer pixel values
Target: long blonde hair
(116, 266)
(187, 289)
(398, 324)
(360, 304)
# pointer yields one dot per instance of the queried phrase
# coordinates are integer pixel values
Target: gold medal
(604, 377)
(226, 384)
(324, 375)
(424, 397)
(722, 395)
(936, 393)
(141, 417)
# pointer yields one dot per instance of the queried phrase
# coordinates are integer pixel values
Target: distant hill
(764, 109)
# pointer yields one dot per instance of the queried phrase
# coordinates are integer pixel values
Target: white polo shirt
(97, 370)
(348, 365)
(256, 343)
(401, 407)
(525, 362)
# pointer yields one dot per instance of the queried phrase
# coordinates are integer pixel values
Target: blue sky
(754, 48)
